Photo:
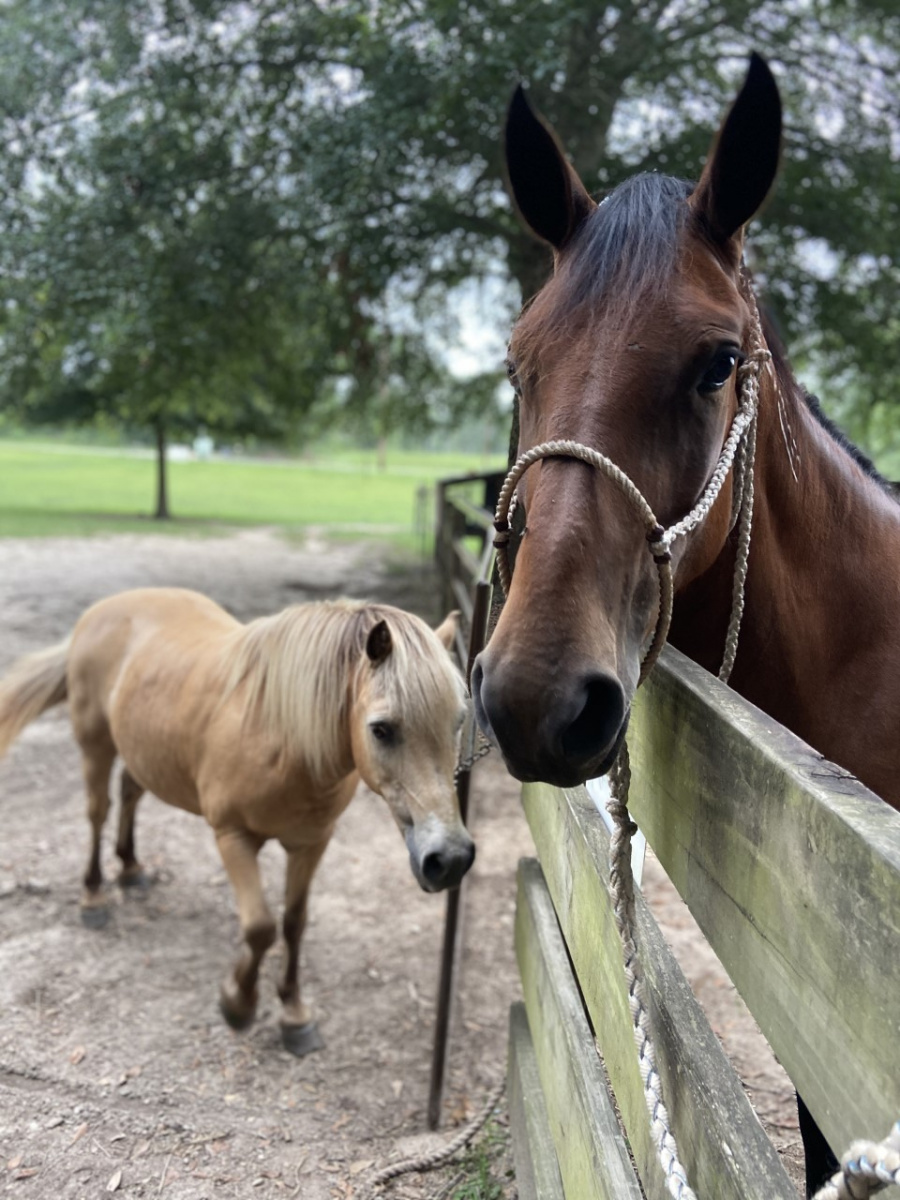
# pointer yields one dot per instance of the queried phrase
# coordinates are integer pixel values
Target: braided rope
(738, 454)
(745, 520)
(622, 887)
(437, 1158)
(866, 1168)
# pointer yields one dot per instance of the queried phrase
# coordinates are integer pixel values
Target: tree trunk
(162, 484)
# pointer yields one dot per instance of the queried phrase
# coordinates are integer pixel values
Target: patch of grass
(488, 1174)
(48, 488)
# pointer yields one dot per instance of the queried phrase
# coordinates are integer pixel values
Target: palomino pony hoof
(302, 1039)
(94, 916)
(237, 1011)
(137, 878)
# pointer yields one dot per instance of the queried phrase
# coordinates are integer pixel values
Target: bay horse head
(633, 348)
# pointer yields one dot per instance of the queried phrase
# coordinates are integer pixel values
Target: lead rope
(738, 452)
(867, 1167)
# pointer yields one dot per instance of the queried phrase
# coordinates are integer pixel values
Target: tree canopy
(211, 207)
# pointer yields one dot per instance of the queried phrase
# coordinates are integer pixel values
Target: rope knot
(755, 361)
(660, 543)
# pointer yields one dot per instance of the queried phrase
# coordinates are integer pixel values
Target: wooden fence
(463, 545)
(464, 538)
(792, 870)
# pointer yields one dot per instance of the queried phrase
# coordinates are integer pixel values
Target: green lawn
(50, 489)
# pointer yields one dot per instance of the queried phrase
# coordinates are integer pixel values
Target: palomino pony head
(407, 708)
(343, 685)
(631, 349)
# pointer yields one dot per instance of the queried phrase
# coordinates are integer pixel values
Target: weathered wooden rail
(792, 870)
(464, 538)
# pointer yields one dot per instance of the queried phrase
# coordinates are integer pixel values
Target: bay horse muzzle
(559, 738)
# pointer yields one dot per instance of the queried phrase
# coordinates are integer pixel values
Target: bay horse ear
(379, 643)
(446, 631)
(743, 162)
(551, 198)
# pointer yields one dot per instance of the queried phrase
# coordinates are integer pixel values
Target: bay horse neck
(820, 639)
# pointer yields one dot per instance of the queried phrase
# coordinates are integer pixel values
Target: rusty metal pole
(481, 607)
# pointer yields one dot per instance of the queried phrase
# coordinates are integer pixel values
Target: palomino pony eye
(719, 370)
(383, 731)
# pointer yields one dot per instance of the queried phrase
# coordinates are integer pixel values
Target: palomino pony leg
(299, 1032)
(132, 874)
(96, 762)
(237, 998)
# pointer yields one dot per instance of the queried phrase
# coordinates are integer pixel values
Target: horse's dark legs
(97, 757)
(821, 1163)
(239, 850)
(298, 1030)
(131, 791)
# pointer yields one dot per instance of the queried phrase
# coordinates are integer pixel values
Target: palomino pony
(634, 348)
(263, 729)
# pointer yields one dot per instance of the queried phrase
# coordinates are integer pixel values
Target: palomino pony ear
(743, 162)
(379, 643)
(551, 198)
(446, 631)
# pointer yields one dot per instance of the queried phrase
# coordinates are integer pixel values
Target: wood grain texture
(534, 1154)
(593, 1160)
(720, 1140)
(792, 869)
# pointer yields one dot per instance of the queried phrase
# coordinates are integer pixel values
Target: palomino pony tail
(34, 684)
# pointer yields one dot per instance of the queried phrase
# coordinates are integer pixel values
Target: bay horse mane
(302, 668)
(790, 384)
(622, 256)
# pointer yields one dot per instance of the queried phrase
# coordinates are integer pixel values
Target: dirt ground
(117, 1073)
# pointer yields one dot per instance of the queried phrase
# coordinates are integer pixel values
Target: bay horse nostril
(597, 723)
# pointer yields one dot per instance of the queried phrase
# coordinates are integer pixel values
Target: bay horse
(264, 729)
(633, 347)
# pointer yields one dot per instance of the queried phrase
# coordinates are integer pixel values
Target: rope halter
(868, 1166)
(738, 451)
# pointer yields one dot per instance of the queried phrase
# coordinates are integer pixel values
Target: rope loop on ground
(437, 1158)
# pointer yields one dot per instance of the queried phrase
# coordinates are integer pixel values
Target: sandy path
(115, 1067)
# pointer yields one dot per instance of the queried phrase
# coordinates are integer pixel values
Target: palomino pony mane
(302, 668)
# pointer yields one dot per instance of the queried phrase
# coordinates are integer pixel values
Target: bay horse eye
(718, 372)
(381, 731)
(513, 377)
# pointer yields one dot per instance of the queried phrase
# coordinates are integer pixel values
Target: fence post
(481, 607)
